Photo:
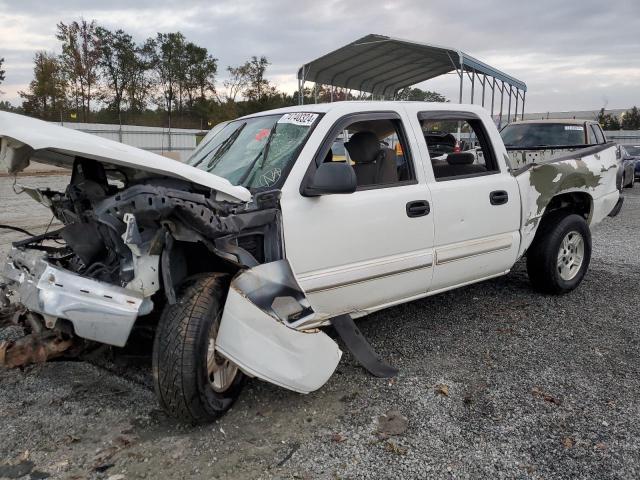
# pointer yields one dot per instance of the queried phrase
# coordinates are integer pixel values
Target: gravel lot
(495, 381)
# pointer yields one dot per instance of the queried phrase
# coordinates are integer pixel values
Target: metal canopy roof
(382, 66)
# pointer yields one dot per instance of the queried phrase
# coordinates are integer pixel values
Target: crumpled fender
(260, 330)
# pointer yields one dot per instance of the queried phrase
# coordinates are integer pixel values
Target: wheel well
(196, 258)
(579, 203)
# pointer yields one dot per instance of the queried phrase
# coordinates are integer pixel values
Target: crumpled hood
(24, 139)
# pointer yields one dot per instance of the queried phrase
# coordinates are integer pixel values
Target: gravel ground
(495, 381)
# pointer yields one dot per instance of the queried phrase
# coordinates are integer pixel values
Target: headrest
(363, 147)
(462, 158)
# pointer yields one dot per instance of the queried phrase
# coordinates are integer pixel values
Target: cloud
(572, 54)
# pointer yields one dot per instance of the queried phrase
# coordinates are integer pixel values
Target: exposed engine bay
(125, 244)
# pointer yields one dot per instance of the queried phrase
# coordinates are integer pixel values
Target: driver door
(354, 253)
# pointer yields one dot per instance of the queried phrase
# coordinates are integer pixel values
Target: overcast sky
(573, 54)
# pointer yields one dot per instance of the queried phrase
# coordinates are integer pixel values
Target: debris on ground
(391, 423)
(547, 397)
(442, 389)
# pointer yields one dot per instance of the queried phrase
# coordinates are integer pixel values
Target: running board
(361, 349)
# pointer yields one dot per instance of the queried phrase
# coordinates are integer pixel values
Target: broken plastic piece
(361, 349)
(253, 335)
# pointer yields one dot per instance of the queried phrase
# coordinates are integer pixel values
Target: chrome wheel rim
(221, 372)
(570, 256)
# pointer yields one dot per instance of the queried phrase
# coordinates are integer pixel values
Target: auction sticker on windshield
(299, 118)
(573, 127)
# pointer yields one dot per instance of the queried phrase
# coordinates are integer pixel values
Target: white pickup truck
(239, 256)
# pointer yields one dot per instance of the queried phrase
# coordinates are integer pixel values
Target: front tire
(559, 256)
(193, 383)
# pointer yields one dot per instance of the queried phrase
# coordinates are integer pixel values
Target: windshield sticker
(300, 118)
(269, 178)
(262, 134)
(573, 127)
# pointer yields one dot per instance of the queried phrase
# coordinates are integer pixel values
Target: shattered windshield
(254, 152)
(542, 135)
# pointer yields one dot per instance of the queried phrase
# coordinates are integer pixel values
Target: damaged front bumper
(266, 329)
(98, 311)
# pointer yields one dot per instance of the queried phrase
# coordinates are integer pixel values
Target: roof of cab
(349, 106)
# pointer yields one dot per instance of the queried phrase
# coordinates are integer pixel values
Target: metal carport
(382, 66)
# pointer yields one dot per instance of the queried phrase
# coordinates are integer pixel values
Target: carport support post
(484, 80)
(509, 111)
(461, 84)
(301, 85)
(473, 85)
(460, 98)
(501, 102)
(515, 116)
(493, 96)
(523, 97)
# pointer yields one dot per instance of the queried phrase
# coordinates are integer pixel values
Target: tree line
(629, 120)
(106, 76)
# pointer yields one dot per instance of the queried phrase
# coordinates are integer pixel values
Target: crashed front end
(124, 247)
(133, 226)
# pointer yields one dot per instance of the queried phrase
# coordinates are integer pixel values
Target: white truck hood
(24, 139)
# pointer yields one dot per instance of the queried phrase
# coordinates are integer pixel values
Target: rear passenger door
(475, 200)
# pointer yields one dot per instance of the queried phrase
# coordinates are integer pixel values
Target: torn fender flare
(266, 346)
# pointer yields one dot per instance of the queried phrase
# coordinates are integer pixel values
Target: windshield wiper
(224, 146)
(264, 152)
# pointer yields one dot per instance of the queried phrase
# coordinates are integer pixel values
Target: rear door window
(458, 147)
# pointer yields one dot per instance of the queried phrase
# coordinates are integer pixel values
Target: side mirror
(331, 178)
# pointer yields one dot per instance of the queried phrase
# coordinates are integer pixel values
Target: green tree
(236, 82)
(631, 119)
(119, 65)
(167, 55)
(46, 95)
(258, 86)
(199, 75)
(141, 82)
(6, 106)
(80, 58)
(608, 121)
(419, 95)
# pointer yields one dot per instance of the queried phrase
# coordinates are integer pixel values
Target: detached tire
(559, 256)
(193, 383)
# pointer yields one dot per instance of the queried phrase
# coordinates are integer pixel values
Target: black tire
(180, 352)
(542, 256)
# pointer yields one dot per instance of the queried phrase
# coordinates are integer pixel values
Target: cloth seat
(374, 165)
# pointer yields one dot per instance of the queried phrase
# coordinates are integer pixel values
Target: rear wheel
(559, 257)
(192, 381)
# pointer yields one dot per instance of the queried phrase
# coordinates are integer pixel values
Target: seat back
(458, 164)
(372, 164)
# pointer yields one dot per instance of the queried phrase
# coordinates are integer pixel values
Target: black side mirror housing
(331, 178)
